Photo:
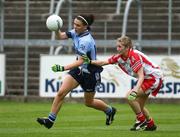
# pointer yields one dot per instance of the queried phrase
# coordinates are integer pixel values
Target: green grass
(76, 120)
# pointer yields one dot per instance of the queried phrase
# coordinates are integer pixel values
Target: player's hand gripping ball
(54, 22)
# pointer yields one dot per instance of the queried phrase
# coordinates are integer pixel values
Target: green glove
(86, 59)
(132, 96)
(57, 68)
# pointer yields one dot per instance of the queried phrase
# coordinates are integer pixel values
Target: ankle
(108, 110)
(140, 117)
(52, 117)
(150, 122)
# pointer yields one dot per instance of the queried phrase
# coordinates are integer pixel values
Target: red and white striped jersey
(134, 62)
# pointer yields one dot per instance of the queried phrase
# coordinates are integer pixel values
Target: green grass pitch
(77, 120)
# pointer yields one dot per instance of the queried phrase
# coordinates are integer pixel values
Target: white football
(54, 22)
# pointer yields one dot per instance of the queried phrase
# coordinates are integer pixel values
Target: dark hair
(86, 20)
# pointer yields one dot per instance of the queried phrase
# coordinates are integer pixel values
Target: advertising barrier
(115, 83)
(2, 74)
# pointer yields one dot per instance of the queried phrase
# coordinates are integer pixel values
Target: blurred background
(153, 25)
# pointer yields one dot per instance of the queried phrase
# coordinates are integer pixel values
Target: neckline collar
(128, 54)
(84, 33)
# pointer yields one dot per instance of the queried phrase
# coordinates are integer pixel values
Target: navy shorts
(88, 82)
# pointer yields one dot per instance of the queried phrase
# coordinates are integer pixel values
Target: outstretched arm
(59, 68)
(74, 64)
(99, 62)
(94, 62)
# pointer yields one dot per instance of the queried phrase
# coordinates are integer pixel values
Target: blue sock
(52, 117)
(108, 111)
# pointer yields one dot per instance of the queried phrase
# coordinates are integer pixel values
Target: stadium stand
(155, 27)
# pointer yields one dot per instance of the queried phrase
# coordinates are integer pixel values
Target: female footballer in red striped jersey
(136, 64)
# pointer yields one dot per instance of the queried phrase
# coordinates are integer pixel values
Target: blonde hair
(125, 41)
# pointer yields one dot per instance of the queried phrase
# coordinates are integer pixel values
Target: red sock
(150, 122)
(140, 117)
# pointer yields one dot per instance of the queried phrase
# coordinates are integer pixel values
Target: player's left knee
(88, 103)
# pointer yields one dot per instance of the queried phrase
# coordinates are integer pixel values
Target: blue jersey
(84, 44)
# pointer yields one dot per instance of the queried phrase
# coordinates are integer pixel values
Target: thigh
(68, 84)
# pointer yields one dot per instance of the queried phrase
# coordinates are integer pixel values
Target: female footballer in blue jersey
(85, 75)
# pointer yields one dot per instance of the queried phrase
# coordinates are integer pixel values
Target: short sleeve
(136, 62)
(71, 33)
(68, 33)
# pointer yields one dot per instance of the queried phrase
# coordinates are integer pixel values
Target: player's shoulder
(134, 52)
(87, 40)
